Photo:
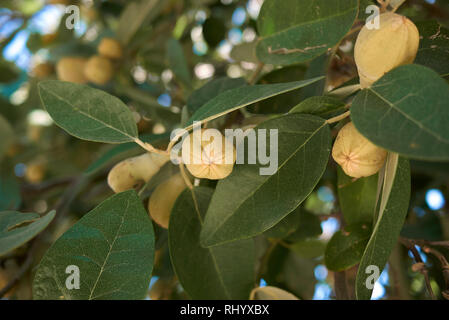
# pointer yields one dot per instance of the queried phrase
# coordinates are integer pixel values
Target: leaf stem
(150, 148)
(338, 118)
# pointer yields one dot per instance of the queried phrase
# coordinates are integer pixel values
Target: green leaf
(234, 99)
(392, 212)
(406, 111)
(261, 201)
(309, 248)
(212, 89)
(322, 106)
(245, 52)
(17, 228)
(296, 226)
(309, 28)
(113, 247)
(357, 197)
(284, 102)
(222, 272)
(178, 63)
(346, 247)
(87, 113)
(6, 134)
(433, 47)
(317, 67)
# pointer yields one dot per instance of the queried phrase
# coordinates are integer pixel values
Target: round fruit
(71, 69)
(110, 48)
(133, 172)
(99, 70)
(377, 51)
(163, 199)
(208, 154)
(357, 156)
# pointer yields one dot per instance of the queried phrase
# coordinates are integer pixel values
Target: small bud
(163, 199)
(110, 48)
(208, 154)
(357, 156)
(378, 51)
(133, 172)
(99, 70)
(71, 69)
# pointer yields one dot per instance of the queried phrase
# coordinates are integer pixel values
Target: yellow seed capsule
(110, 48)
(378, 51)
(357, 156)
(99, 70)
(163, 199)
(133, 172)
(208, 154)
(71, 69)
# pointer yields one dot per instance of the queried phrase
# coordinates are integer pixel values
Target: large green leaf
(346, 247)
(113, 247)
(296, 226)
(234, 99)
(248, 203)
(433, 47)
(309, 27)
(88, 113)
(280, 103)
(357, 198)
(212, 89)
(222, 272)
(406, 111)
(392, 212)
(17, 228)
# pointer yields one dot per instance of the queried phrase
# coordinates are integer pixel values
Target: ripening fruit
(133, 172)
(110, 48)
(208, 154)
(163, 199)
(42, 70)
(71, 69)
(378, 51)
(99, 70)
(357, 156)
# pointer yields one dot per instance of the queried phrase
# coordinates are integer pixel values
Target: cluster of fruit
(377, 51)
(98, 69)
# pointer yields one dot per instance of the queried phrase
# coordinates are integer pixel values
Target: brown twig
(418, 259)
